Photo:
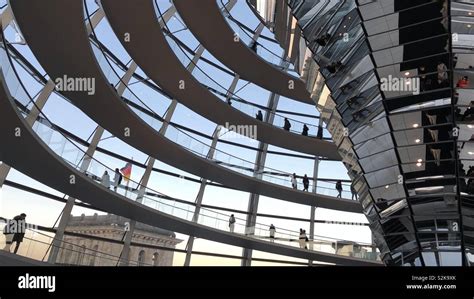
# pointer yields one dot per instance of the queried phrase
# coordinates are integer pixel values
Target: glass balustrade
(238, 103)
(37, 245)
(72, 154)
(199, 148)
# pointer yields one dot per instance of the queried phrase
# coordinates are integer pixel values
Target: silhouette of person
(305, 183)
(339, 188)
(305, 130)
(287, 125)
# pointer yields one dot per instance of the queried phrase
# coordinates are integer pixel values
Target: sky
(45, 211)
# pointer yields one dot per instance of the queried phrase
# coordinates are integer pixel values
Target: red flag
(127, 171)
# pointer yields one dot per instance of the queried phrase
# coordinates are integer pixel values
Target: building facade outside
(89, 252)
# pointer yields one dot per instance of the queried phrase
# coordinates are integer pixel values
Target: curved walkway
(105, 106)
(151, 51)
(205, 20)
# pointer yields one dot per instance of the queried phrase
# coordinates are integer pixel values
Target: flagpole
(128, 183)
(126, 188)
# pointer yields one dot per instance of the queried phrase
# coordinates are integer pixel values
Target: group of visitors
(294, 185)
(303, 239)
(294, 182)
(116, 182)
(339, 190)
(287, 126)
(232, 221)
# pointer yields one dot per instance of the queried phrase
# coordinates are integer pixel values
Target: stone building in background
(92, 252)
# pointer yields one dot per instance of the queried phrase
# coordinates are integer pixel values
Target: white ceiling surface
(374, 9)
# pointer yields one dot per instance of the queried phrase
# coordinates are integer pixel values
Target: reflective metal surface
(402, 114)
